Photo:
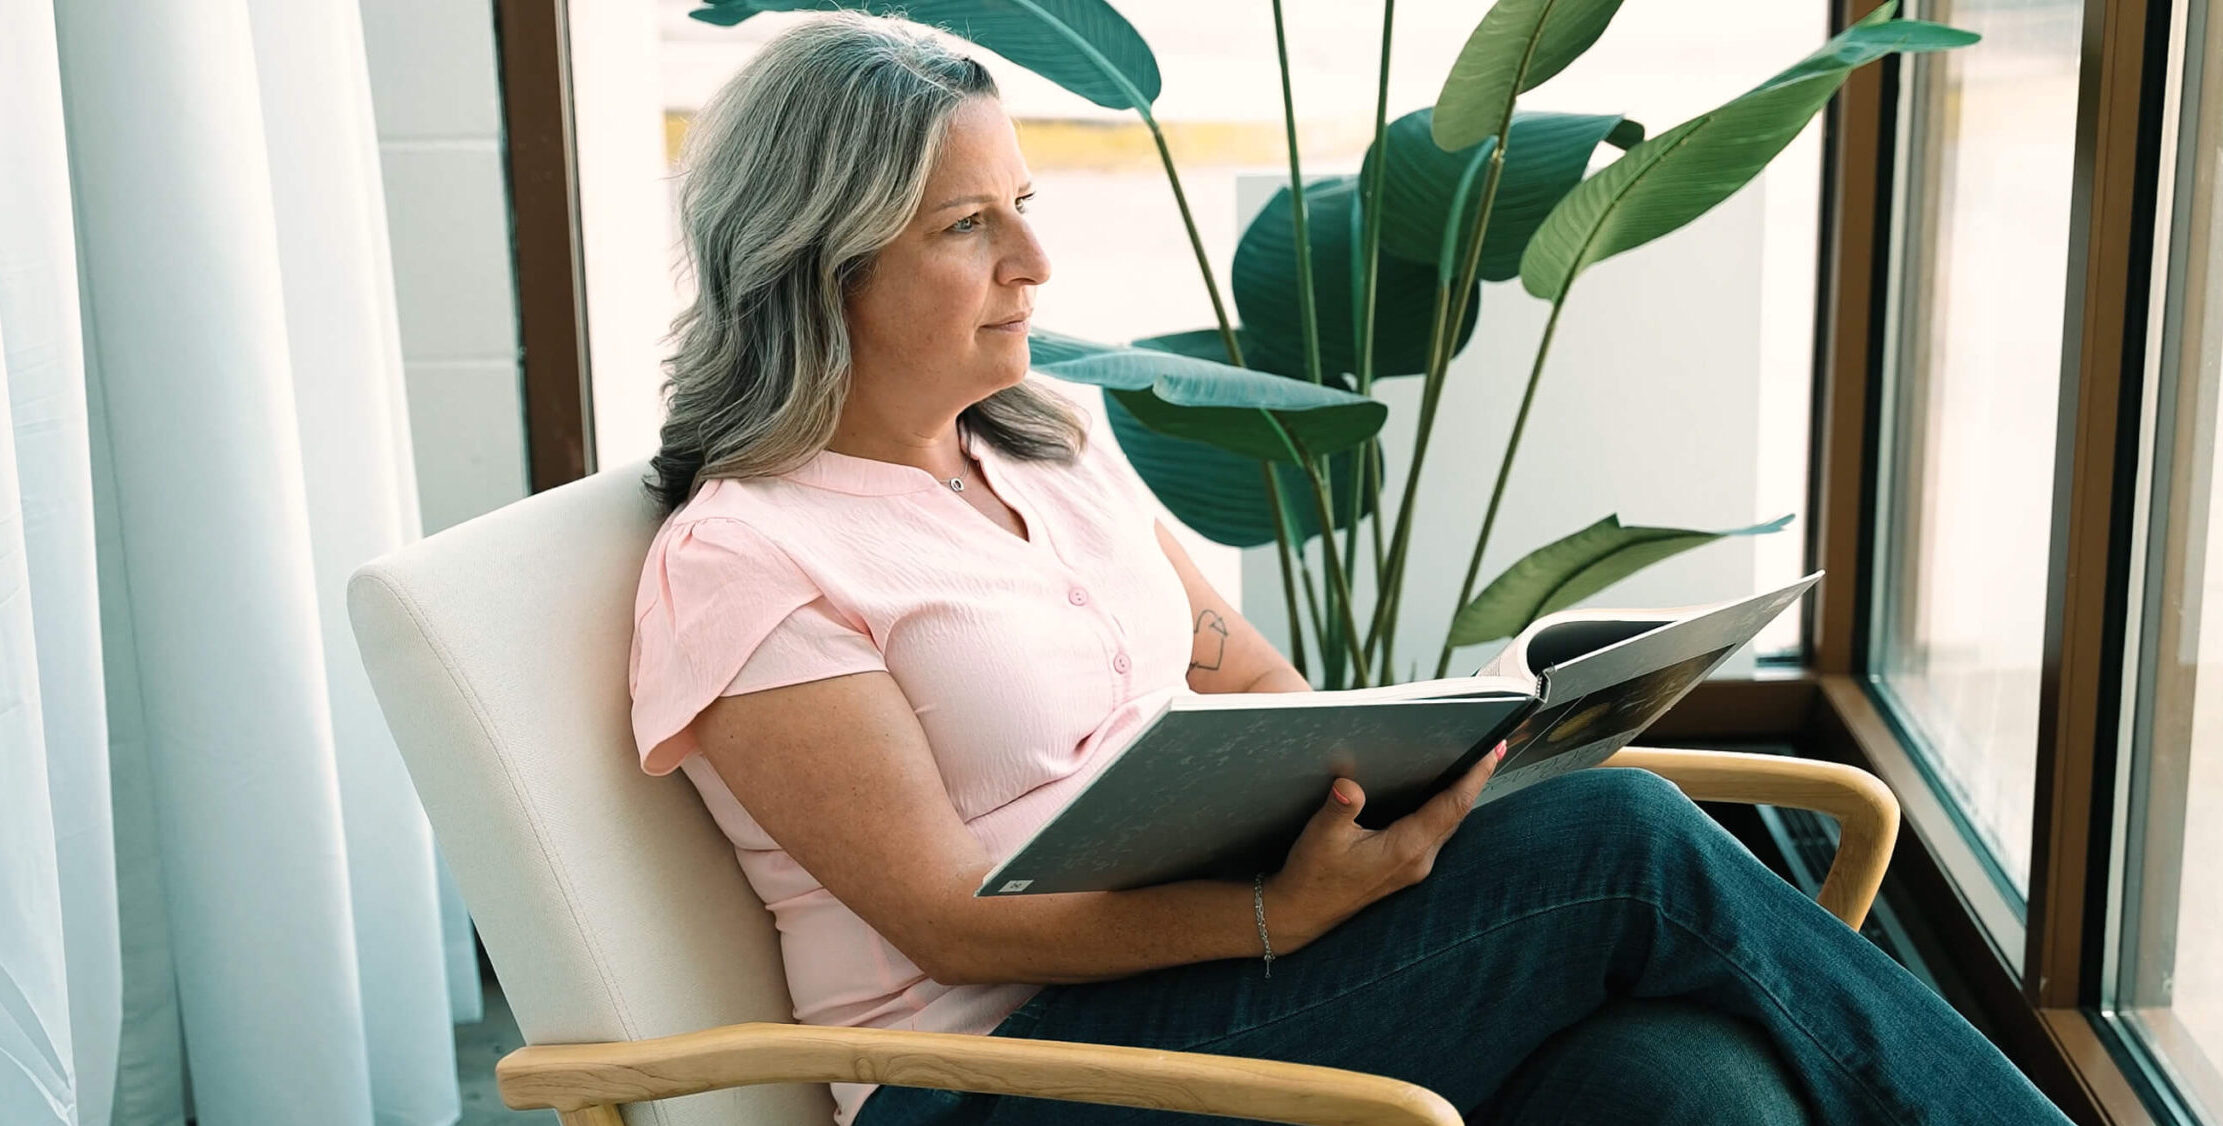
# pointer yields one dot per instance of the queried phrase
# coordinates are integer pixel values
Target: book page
(1598, 702)
(1566, 642)
(1571, 734)
(1448, 688)
(1728, 624)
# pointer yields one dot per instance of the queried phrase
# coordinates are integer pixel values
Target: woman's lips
(1018, 326)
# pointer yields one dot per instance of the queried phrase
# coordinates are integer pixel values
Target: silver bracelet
(1258, 903)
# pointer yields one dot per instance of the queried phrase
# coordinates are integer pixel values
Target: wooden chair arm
(586, 1082)
(1866, 811)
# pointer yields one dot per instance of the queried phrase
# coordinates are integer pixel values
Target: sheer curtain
(216, 887)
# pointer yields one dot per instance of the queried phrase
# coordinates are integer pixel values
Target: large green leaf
(1201, 343)
(1232, 411)
(1566, 571)
(1517, 46)
(1236, 409)
(1085, 46)
(1265, 281)
(1045, 348)
(1222, 495)
(1664, 183)
(1547, 156)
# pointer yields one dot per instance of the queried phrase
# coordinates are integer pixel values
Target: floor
(477, 1047)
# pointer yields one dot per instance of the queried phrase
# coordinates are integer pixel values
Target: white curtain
(216, 887)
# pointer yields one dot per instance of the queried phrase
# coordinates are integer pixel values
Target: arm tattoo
(1216, 644)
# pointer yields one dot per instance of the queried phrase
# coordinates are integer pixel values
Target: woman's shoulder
(774, 509)
(746, 499)
(729, 528)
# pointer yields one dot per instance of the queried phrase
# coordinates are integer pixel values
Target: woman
(901, 605)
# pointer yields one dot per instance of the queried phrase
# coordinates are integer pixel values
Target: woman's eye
(971, 223)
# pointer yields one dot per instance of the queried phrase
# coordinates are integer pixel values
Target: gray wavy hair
(807, 162)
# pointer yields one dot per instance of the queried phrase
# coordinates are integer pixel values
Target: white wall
(1648, 407)
(438, 106)
(618, 119)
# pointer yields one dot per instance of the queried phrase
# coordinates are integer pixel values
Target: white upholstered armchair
(643, 972)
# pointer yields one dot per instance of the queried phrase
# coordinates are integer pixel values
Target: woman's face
(941, 320)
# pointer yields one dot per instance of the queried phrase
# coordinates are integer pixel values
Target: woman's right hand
(1336, 868)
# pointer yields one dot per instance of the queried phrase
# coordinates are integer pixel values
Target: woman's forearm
(1282, 678)
(1095, 936)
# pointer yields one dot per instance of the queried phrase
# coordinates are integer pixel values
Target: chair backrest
(610, 903)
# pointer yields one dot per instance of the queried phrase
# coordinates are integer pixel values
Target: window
(1987, 142)
(2166, 990)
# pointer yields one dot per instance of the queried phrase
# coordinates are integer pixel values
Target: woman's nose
(1028, 263)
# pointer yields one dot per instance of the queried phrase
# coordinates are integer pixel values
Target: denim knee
(1635, 814)
(1652, 1062)
(1612, 798)
(1630, 791)
(1625, 820)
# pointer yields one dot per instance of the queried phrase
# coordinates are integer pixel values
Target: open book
(1220, 785)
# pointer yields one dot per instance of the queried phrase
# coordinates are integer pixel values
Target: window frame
(2043, 992)
(2038, 978)
(2152, 799)
(547, 257)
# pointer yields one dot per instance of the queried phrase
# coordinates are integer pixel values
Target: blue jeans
(1573, 940)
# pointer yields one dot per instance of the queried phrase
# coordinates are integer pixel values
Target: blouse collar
(863, 476)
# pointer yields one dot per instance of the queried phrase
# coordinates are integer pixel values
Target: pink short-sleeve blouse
(1024, 660)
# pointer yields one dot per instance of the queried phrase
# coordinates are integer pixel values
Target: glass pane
(1988, 145)
(2168, 987)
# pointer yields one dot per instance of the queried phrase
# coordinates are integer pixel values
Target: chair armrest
(578, 1078)
(1866, 811)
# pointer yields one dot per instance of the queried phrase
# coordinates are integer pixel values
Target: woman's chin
(1006, 370)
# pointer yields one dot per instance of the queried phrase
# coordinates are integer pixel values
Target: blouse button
(1077, 596)
(1121, 664)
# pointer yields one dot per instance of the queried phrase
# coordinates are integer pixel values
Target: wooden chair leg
(591, 1116)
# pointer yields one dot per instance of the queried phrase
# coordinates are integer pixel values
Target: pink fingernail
(1498, 754)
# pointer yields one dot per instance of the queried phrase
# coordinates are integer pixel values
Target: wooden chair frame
(587, 1083)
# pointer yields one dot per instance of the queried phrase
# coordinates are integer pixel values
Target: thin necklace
(957, 484)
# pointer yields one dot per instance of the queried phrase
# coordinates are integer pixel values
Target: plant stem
(1445, 339)
(1305, 308)
(1288, 580)
(1339, 587)
(1298, 455)
(1359, 460)
(1312, 606)
(1369, 252)
(1371, 240)
(1373, 474)
(1394, 566)
(1472, 264)
(1504, 472)
(1196, 241)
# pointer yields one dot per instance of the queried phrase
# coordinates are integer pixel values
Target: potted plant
(1265, 430)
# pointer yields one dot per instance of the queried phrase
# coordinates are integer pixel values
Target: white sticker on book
(1013, 885)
